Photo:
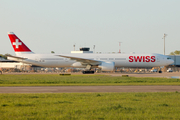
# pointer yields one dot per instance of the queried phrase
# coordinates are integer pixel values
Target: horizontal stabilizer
(16, 57)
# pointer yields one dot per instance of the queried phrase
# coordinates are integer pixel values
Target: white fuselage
(120, 60)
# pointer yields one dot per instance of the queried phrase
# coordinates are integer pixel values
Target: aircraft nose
(171, 61)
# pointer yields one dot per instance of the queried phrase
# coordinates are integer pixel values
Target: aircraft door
(66, 59)
(37, 59)
(97, 58)
(158, 59)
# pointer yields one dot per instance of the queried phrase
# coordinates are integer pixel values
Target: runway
(80, 89)
(160, 75)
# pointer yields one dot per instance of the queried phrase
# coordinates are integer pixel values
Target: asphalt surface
(164, 74)
(80, 89)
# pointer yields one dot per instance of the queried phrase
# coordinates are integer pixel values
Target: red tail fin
(18, 45)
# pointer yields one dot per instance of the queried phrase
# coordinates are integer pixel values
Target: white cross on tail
(17, 43)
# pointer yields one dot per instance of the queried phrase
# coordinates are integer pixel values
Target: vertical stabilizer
(18, 45)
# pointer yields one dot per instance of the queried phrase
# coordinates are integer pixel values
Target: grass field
(90, 106)
(57, 80)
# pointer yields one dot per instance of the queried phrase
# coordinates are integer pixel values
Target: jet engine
(78, 65)
(107, 66)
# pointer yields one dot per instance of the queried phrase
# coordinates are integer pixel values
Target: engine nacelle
(78, 65)
(107, 66)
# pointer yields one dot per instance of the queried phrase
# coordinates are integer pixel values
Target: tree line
(177, 52)
(4, 56)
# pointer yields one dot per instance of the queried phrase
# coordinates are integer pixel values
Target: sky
(56, 25)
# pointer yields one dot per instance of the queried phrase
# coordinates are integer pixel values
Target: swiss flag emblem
(17, 43)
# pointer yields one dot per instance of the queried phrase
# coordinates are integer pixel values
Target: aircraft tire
(88, 72)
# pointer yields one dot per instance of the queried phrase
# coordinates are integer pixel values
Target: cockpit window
(168, 58)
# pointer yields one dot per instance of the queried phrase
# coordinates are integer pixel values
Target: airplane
(106, 62)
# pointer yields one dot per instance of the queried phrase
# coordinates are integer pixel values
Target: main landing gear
(160, 71)
(87, 71)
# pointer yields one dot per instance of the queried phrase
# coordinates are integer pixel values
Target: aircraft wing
(83, 60)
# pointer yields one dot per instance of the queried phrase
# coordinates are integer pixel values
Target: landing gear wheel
(88, 72)
(160, 71)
